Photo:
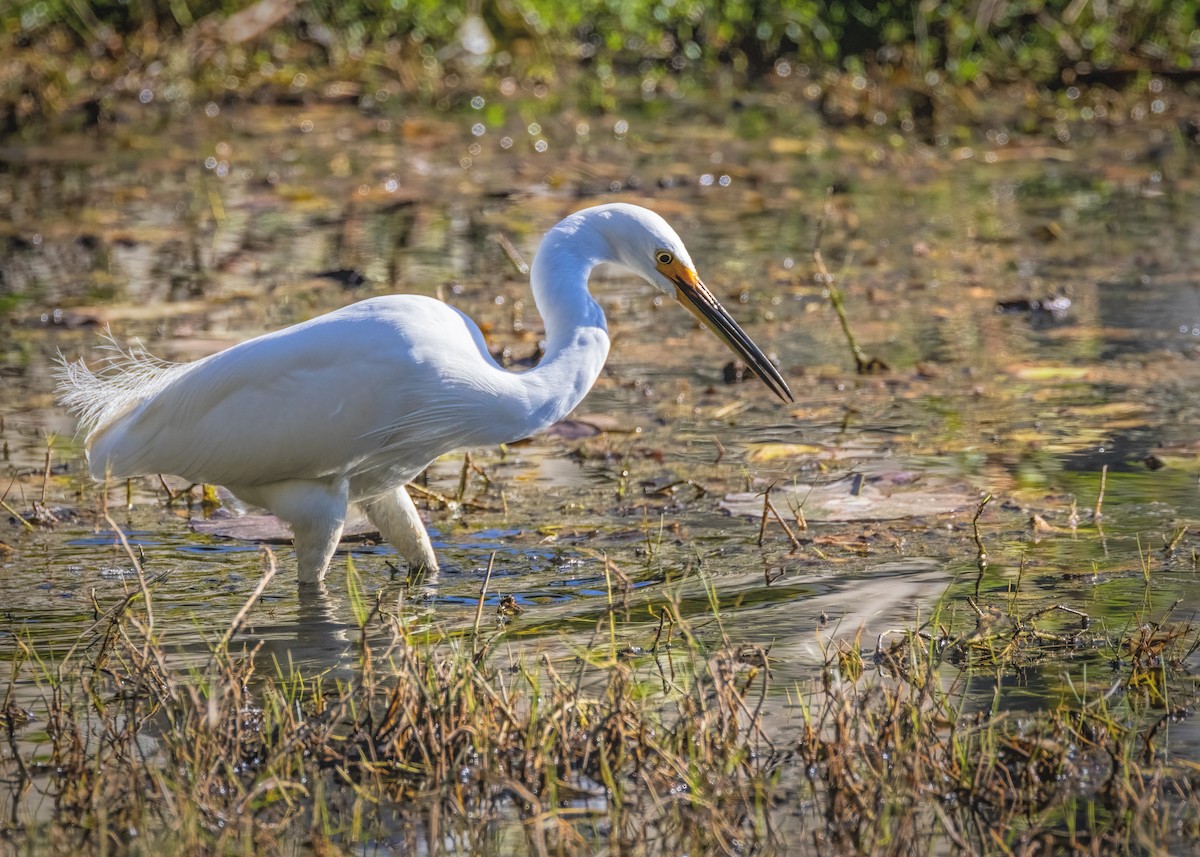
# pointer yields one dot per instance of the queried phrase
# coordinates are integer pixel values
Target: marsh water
(1037, 306)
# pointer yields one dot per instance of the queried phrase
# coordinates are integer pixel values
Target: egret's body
(350, 406)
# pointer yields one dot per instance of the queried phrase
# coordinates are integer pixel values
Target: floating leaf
(774, 451)
(887, 496)
(765, 452)
(1029, 372)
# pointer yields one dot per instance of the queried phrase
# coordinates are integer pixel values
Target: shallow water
(197, 234)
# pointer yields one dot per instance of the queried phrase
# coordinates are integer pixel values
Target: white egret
(350, 406)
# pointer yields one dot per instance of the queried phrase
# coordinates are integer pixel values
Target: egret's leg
(316, 512)
(314, 548)
(400, 525)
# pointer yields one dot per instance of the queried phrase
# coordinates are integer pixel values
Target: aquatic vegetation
(427, 736)
(452, 741)
(910, 758)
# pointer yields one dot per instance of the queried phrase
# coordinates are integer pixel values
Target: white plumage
(350, 406)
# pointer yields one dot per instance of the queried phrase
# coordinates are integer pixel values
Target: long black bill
(694, 295)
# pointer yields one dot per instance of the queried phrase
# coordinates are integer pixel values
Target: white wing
(380, 387)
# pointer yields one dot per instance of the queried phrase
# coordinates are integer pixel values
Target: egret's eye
(664, 258)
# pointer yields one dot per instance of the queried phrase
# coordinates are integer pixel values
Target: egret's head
(644, 243)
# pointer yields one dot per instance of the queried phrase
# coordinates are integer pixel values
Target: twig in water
(623, 580)
(11, 482)
(669, 488)
(769, 507)
(432, 495)
(1144, 560)
(981, 557)
(612, 613)
(46, 472)
(1085, 620)
(236, 624)
(514, 255)
(470, 466)
(762, 521)
(487, 480)
(16, 515)
(172, 496)
(1098, 512)
(863, 364)
(1170, 546)
(483, 594)
(1016, 588)
(137, 567)
(464, 476)
(798, 512)
(664, 619)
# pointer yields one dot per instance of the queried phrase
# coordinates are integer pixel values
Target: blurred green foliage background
(59, 52)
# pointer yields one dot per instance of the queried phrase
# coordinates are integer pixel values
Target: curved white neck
(576, 331)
